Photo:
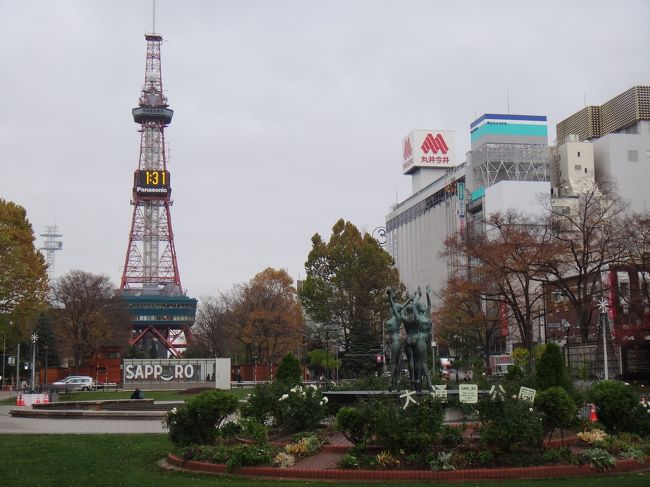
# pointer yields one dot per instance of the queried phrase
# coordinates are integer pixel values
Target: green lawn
(97, 460)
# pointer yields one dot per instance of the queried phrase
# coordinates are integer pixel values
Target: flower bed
(552, 471)
(382, 438)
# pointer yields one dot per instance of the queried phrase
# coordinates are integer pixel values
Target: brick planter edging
(622, 466)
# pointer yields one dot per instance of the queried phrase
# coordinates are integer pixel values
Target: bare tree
(212, 328)
(87, 315)
(586, 233)
(508, 256)
(636, 262)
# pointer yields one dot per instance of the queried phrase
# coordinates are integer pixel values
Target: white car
(76, 383)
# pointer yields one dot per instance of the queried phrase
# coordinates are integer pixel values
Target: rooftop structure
(615, 115)
(507, 147)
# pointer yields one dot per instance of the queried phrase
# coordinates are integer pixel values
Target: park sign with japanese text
(468, 393)
(527, 394)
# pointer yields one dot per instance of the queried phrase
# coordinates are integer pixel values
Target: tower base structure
(156, 317)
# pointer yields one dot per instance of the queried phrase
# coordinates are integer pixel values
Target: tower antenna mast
(51, 245)
(151, 283)
(154, 17)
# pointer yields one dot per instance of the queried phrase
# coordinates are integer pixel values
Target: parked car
(76, 383)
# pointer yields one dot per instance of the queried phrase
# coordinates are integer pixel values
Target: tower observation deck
(151, 284)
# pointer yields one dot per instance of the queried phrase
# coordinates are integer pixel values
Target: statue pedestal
(348, 398)
(453, 414)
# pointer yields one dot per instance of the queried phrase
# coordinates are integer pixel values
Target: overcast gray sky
(288, 114)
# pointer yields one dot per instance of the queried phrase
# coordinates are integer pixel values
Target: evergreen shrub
(509, 422)
(289, 370)
(200, 419)
(618, 408)
(550, 371)
(559, 410)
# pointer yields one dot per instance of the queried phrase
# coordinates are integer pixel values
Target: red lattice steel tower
(150, 281)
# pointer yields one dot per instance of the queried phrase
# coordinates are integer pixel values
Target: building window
(578, 153)
(578, 167)
(585, 170)
(633, 155)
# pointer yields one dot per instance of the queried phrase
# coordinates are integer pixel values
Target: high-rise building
(507, 167)
(613, 150)
(417, 227)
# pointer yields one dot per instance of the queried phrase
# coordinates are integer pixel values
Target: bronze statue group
(416, 319)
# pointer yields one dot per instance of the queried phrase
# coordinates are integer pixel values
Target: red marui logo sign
(431, 148)
(408, 151)
(434, 144)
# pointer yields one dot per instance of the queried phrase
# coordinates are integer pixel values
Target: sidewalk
(16, 425)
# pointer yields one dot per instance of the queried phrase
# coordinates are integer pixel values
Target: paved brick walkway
(337, 439)
(322, 461)
(329, 456)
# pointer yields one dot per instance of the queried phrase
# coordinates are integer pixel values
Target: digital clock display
(151, 184)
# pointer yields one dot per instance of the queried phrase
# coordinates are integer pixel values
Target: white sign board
(428, 148)
(527, 394)
(468, 393)
(177, 371)
(221, 377)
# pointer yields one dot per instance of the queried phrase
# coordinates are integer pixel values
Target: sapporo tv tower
(161, 314)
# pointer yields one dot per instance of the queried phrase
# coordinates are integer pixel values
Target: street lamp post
(327, 353)
(17, 365)
(46, 346)
(383, 348)
(255, 369)
(566, 326)
(337, 363)
(4, 357)
(603, 326)
(34, 339)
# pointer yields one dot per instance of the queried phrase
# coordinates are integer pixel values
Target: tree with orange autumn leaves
(261, 318)
(467, 318)
(271, 324)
